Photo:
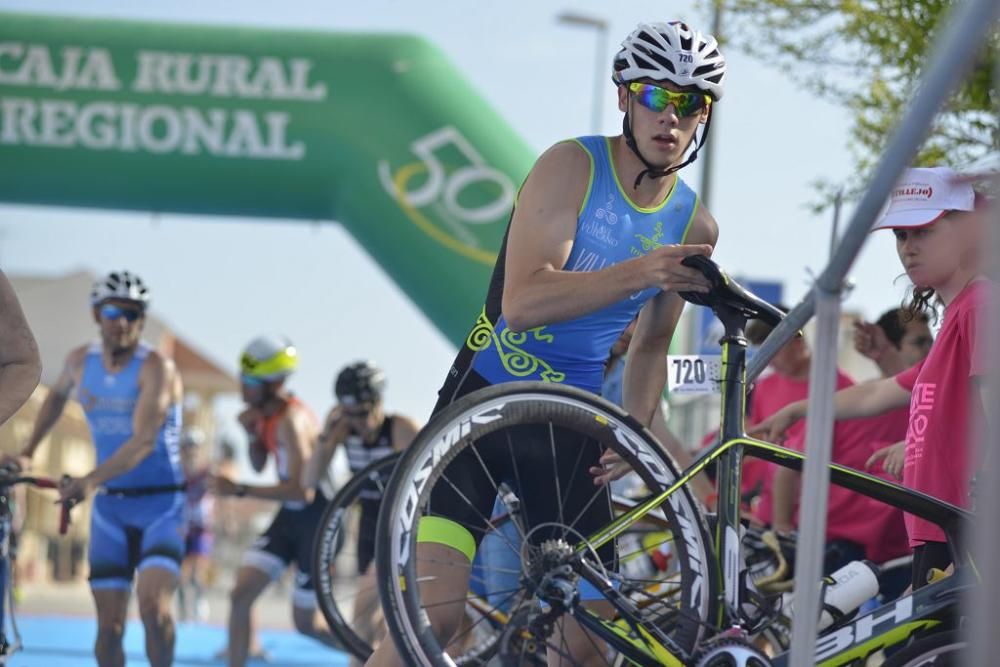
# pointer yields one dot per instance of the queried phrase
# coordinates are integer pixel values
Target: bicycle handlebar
(10, 477)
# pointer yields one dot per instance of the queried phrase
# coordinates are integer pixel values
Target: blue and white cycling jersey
(136, 532)
(109, 399)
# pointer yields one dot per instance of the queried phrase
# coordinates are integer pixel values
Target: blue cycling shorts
(134, 533)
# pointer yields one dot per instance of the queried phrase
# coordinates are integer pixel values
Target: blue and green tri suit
(132, 531)
(610, 230)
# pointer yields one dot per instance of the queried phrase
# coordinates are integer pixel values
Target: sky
(219, 281)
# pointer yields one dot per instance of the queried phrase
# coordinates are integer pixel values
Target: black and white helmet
(361, 382)
(673, 52)
(120, 285)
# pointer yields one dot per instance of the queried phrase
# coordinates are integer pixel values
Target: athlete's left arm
(159, 387)
(646, 366)
(404, 430)
(646, 361)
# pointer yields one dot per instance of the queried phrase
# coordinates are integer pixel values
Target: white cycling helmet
(119, 285)
(673, 52)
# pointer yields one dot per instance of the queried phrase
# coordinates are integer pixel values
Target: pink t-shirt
(942, 406)
(878, 527)
(770, 394)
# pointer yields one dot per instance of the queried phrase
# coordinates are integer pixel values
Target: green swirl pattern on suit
(509, 344)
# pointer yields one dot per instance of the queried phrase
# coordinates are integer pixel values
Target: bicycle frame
(6, 583)
(930, 601)
(7, 648)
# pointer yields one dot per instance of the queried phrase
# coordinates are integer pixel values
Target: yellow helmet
(269, 358)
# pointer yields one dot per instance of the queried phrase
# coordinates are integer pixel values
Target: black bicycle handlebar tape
(725, 288)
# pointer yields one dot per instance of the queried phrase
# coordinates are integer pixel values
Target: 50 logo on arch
(451, 194)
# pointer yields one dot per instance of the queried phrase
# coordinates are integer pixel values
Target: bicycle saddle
(728, 294)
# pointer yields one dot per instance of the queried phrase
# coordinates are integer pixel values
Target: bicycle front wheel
(541, 441)
(342, 587)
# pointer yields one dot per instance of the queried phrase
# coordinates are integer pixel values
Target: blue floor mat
(61, 641)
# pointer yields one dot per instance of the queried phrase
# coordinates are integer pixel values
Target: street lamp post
(709, 149)
(600, 26)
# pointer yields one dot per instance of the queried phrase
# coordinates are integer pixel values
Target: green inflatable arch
(377, 132)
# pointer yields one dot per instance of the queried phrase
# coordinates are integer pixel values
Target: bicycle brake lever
(64, 517)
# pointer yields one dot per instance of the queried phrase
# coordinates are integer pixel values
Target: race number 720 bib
(694, 374)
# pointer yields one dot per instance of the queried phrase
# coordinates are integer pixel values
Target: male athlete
(131, 395)
(597, 236)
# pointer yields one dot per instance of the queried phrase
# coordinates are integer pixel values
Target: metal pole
(784, 332)
(602, 69)
(600, 79)
(816, 478)
(708, 152)
(838, 203)
(966, 28)
(983, 602)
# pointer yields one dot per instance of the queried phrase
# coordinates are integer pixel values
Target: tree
(868, 55)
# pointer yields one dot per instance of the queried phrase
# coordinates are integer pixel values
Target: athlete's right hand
(15, 462)
(774, 427)
(664, 269)
(335, 428)
(611, 466)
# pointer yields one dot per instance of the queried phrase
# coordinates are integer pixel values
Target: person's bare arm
(333, 434)
(784, 491)
(20, 364)
(871, 341)
(158, 390)
(256, 449)
(404, 430)
(537, 290)
(700, 484)
(866, 399)
(646, 363)
(296, 430)
(55, 401)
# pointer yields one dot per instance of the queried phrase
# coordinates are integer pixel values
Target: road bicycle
(10, 642)
(703, 610)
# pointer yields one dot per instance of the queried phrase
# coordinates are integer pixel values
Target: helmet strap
(652, 170)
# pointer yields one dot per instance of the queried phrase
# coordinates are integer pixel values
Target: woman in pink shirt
(937, 220)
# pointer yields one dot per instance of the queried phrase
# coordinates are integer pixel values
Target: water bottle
(847, 589)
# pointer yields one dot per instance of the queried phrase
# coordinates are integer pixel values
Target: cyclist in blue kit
(597, 237)
(131, 395)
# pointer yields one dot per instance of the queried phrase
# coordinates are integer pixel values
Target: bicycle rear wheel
(541, 440)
